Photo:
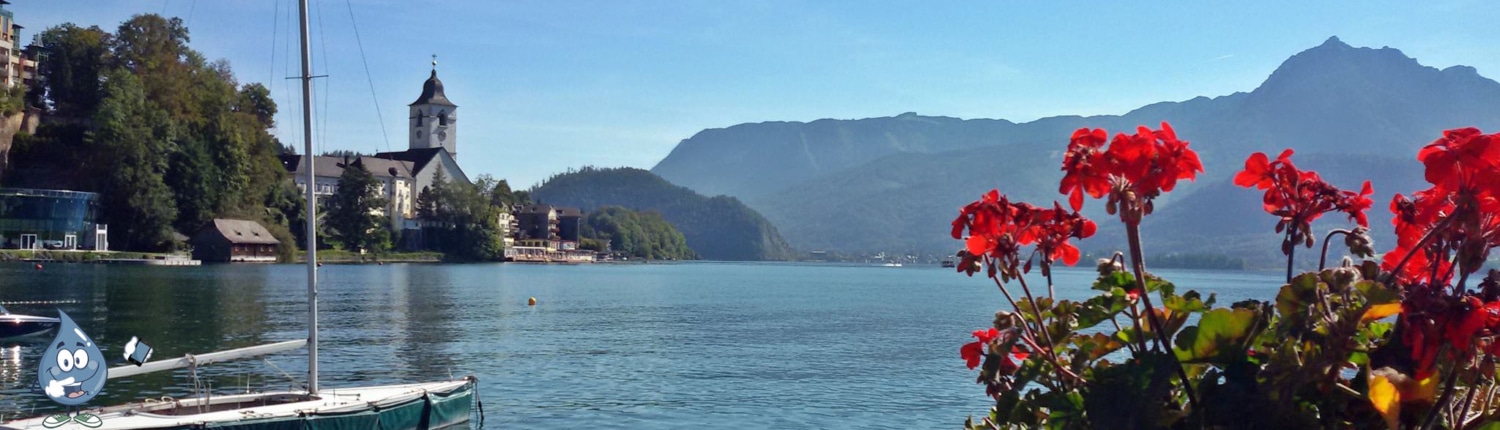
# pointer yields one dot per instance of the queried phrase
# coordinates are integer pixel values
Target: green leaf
(1155, 284)
(1121, 279)
(1219, 337)
(1128, 395)
(1097, 345)
(1294, 299)
(1101, 308)
(1376, 293)
(1186, 304)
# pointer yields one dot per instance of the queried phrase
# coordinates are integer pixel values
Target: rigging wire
(368, 77)
(189, 21)
(286, 66)
(322, 121)
(271, 76)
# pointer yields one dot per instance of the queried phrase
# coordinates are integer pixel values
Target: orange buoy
(39, 266)
(531, 301)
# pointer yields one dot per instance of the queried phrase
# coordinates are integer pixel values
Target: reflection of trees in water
(176, 310)
(381, 324)
(426, 321)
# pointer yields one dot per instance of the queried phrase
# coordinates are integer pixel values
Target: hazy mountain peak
(1334, 58)
(1333, 42)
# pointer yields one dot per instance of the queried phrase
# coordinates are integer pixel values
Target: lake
(770, 345)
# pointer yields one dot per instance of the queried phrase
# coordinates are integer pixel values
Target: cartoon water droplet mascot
(72, 372)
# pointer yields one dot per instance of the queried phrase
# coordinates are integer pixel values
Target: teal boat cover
(432, 411)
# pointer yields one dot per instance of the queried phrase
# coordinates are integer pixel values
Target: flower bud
(1344, 276)
(1005, 320)
(1359, 242)
(1108, 266)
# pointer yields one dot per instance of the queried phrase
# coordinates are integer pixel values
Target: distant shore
(346, 257)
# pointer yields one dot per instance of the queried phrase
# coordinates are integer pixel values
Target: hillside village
(215, 192)
(531, 232)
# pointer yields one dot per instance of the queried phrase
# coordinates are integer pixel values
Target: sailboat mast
(312, 211)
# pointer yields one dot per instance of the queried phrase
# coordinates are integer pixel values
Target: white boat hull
(408, 406)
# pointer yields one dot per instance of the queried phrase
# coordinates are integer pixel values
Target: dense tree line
(461, 220)
(170, 139)
(717, 228)
(636, 234)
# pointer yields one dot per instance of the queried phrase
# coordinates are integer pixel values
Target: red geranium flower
(1086, 171)
(1258, 170)
(973, 352)
(1457, 215)
(1050, 229)
(1134, 169)
(1299, 197)
(1462, 158)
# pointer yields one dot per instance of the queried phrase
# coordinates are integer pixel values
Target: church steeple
(433, 117)
(432, 90)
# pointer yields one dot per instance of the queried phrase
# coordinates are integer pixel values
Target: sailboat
(17, 325)
(430, 405)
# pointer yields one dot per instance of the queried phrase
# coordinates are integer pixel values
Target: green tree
(636, 234)
(460, 221)
(155, 49)
(350, 213)
(71, 74)
(210, 142)
(136, 200)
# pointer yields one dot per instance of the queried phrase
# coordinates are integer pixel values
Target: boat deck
(426, 405)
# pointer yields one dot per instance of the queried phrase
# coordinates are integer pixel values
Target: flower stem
(1133, 233)
(1040, 324)
(1290, 253)
(1415, 248)
(1047, 270)
(1049, 354)
(1323, 260)
(1437, 407)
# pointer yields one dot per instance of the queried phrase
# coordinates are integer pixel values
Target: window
(442, 117)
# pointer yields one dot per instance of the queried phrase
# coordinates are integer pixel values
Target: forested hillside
(641, 235)
(168, 138)
(717, 228)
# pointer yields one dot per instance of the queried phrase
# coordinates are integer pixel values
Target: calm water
(617, 346)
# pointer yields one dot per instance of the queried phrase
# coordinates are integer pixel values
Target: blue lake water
(614, 346)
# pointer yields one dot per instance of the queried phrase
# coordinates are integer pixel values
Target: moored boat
(16, 325)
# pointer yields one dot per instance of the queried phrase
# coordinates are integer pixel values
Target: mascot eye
(80, 358)
(65, 360)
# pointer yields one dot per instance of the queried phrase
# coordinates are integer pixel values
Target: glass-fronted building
(50, 219)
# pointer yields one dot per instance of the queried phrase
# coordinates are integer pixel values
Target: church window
(442, 117)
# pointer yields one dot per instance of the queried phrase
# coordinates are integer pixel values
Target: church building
(432, 147)
(432, 136)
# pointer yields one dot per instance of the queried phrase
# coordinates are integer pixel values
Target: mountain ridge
(1327, 100)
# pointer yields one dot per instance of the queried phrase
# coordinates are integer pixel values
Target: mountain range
(893, 183)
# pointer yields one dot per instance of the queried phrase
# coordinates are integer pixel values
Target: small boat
(430, 405)
(891, 265)
(949, 264)
(16, 325)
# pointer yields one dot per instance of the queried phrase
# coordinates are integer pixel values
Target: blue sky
(547, 85)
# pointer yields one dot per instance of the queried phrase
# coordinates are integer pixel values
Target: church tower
(434, 119)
